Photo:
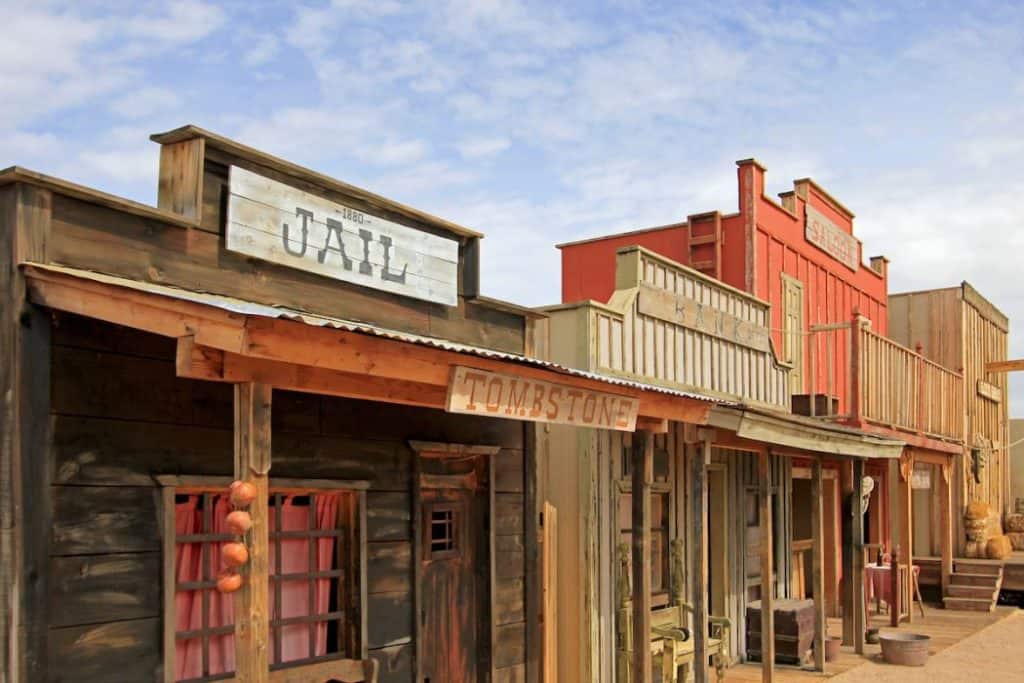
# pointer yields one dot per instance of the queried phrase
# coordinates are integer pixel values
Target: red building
(829, 323)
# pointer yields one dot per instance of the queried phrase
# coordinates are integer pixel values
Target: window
(661, 515)
(793, 330)
(315, 569)
(442, 532)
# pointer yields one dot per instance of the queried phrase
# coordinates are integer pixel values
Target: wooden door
(450, 601)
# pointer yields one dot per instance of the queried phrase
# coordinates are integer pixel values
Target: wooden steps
(973, 586)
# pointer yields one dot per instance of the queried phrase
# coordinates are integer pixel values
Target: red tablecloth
(879, 583)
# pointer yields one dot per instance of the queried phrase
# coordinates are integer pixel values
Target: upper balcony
(873, 381)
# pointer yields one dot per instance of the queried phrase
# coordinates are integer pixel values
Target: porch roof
(802, 433)
(238, 313)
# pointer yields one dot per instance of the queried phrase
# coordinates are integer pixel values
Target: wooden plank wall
(97, 238)
(651, 348)
(120, 416)
(960, 330)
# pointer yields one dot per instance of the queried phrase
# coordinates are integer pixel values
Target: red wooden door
(450, 601)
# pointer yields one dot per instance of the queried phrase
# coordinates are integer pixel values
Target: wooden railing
(873, 379)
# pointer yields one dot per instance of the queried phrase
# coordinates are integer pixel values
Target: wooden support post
(895, 603)
(818, 563)
(946, 513)
(643, 474)
(767, 571)
(857, 552)
(699, 558)
(856, 370)
(533, 571)
(907, 532)
(252, 464)
(847, 599)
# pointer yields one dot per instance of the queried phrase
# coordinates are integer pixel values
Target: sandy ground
(995, 653)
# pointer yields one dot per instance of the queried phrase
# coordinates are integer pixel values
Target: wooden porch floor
(946, 628)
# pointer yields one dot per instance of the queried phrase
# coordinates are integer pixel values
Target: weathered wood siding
(120, 416)
(628, 342)
(959, 329)
(93, 237)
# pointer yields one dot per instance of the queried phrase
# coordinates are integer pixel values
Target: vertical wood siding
(646, 347)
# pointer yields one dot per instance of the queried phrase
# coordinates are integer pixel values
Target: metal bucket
(907, 649)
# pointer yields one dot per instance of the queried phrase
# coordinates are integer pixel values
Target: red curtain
(295, 594)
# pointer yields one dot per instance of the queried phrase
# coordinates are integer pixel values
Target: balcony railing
(858, 376)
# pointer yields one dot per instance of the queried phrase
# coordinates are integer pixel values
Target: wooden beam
(1015, 365)
(643, 475)
(818, 563)
(652, 425)
(252, 464)
(701, 454)
(767, 571)
(946, 525)
(857, 548)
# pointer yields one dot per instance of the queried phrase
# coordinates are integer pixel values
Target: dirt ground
(995, 653)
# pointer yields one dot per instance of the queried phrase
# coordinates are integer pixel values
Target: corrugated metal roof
(252, 308)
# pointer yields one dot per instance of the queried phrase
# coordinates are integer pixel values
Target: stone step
(969, 604)
(963, 579)
(968, 567)
(980, 592)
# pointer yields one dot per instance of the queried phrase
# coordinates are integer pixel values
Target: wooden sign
(831, 239)
(921, 478)
(479, 392)
(990, 391)
(690, 313)
(282, 224)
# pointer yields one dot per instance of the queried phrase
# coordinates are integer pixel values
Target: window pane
(625, 511)
(661, 465)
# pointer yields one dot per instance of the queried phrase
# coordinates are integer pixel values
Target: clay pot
(832, 644)
(229, 582)
(238, 522)
(234, 554)
(242, 494)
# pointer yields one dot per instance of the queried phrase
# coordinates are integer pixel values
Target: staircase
(974, 586)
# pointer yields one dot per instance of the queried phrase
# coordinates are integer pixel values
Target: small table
(879, 586)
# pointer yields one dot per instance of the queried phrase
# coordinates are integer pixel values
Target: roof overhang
(227, 339)
(802, 434)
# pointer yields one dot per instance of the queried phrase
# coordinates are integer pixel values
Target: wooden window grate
(443, 524)
(314, 580)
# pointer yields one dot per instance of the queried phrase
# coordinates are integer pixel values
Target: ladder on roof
(706, 243)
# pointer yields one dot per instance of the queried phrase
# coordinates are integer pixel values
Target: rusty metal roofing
(252, 308)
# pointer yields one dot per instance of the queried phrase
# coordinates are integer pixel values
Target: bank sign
(278, 223)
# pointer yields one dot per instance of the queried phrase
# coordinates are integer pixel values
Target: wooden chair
(672, 648)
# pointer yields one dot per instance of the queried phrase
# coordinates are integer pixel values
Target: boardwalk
(947, 628)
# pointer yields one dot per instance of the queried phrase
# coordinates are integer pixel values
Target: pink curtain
(294, 594)
(188, 519)
(294, 560)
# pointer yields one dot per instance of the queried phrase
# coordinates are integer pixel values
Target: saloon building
(328, 346)
(772, 309)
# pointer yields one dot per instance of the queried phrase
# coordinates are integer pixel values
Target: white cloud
(475, 148)
(184, 21)
(261, 48)
(145, 102)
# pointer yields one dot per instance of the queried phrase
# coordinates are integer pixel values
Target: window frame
(355, 541)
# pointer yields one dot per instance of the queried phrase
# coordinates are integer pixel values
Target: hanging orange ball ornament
(234, 554)
(238, 522)
(242, 493)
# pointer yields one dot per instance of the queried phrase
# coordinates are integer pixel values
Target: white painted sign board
(281, 224)
(480, 392)
(830, 238)
(921, 479)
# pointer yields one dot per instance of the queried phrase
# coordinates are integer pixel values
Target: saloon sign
(275, 222)
(830, 238)
(479, 392)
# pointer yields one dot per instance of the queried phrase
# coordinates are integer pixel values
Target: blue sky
(538, 123)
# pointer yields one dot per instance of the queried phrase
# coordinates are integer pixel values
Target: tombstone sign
(275, 222)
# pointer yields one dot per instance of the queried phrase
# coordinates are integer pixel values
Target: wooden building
(957, 327)
(327, 346)
(825, 313)
(719, 530)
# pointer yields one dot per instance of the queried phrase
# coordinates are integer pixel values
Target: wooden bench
(340, 670)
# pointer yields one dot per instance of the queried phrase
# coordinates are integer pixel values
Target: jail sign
(479, 392)
(281, 224)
